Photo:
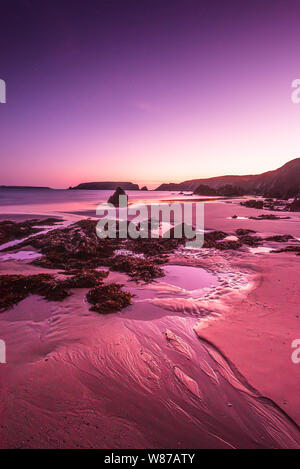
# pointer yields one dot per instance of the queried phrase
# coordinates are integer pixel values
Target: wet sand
(256, 332)
(206, 367)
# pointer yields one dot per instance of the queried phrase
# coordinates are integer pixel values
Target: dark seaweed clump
(86, 278)
(15, 288)
(157, 249)
(268, 216)
(104, 298)
(78, 247)
(137, 268)
(288, 249)
(252, 203)
(216, 240)
(73, 248)
(280, 238)
(108, 298)
(9, 230)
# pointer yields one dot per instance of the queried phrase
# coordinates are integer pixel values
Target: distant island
(26, 187)
(107, 185)
(283, 182)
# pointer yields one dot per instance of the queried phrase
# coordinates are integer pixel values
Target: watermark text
(175, 220)
(2, 91)
(2, 351)
(295, 96)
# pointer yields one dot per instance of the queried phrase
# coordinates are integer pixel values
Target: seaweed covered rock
(78, 247)
(252, 203)
(72, 248)
(252, 241)
(86, 278)
(10, 231)
(268, 216)
(294, 206)
(137, 268)
(280, 238)
(224, 245)
(15, 288)
(243, 232)
(288, 249)
(217, 239)
(211, 238)
(108, 298)
(151, 247)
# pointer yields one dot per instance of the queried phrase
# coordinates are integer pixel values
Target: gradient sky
(147, 91)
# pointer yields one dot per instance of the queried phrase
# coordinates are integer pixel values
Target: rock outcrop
(294, 206)
(252, 203)
(228, 190)
(114, 199)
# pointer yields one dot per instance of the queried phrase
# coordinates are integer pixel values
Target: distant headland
(283, 182)
(26, 188)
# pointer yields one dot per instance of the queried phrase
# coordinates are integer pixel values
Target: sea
(57, 202)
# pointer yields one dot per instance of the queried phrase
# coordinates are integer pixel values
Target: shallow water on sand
(188, 277)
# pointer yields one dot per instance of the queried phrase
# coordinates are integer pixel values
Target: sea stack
(114, 199)
(145, 188)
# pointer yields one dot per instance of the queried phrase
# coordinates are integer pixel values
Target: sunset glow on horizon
(178, 91)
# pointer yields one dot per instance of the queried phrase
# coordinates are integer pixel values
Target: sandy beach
(200, 359)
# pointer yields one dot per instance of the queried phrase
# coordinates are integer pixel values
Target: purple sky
(147, 91)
